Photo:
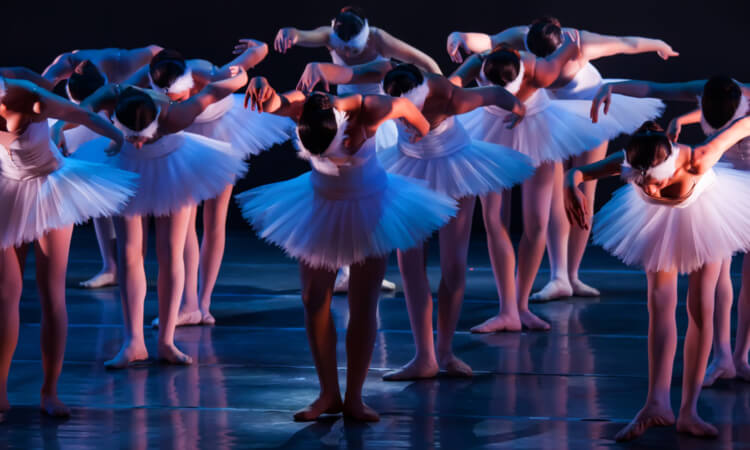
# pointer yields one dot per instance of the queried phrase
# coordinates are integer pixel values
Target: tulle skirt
(72, 194)
(477, 169)
(178, 170)
(386, 135)
(332, 231)
(249, 132)
(661, 238)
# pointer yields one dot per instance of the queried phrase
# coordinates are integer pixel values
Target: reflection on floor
(571, 388)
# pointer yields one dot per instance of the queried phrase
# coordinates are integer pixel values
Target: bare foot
(532, 321)
(100, 280)
(183, 319)
(129, 353)
(649, 416)
(554, 290)
(581, 289)
(53, 407)
(321, 405)
(208, 319)
(719, 368)
(361, 412)
(694, 425)
(170, 354)
(454, 367)
(743, 370)
(501, 322)
(414, 370)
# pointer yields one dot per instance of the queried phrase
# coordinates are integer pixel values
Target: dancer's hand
(113, 148)
(575, 202)
(286, 38)
(311, 77)
(603, 96)
(58, 138)
(572, 37)
(258, 92)
(665, 51)
(674, 129)
(245, 44)
(515, 117)
(456, 43)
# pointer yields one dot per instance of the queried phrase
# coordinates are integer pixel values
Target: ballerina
(454, 165)
(679, 213)
(248, 132)
(578, 79)
(43, 195)
(346, 211)
(552, 131)
(83, 72)
(178, 170)
(351, 41)
(720, 101)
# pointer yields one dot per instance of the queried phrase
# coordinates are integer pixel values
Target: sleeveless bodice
(704, 182)
(31, 155)
(584, 85)
(445, 139)
(216, 110)
(365, 88)
(362, 179)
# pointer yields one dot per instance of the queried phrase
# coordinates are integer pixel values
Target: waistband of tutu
(446, 139)
(352, 182)
(163, 147)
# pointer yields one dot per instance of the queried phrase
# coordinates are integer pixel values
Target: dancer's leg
(105, 237)
(11, 286)
(722, 365)
(742, 338)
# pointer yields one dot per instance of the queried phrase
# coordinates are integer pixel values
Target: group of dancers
(401, 151)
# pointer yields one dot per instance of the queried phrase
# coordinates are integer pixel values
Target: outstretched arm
(22, 73)
(687, 91)
(467, 72)
(382, 108)
(675, 125)
(288, 37)
(709, 153)
(575, 200)
(264, 98)
(328, 73)
(391, 47)
(594, 45)
(481, 42)
(464, 100)
(250, 52)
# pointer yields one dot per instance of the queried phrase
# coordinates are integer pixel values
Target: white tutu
(454, 164)
(178, 170)
(551, 130)
(387, 135)
(709, 226)
(249, 132)
(41, 191)
(334, 221)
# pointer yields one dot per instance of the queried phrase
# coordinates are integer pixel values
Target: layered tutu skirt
(711, 225)
(178, 170)
(454, 164)
(73, 193)
(249, 132)
(334, 221)
(76, 140)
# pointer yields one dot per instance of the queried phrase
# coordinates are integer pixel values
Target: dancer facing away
(578, 79)
(551, 132)
(247, 131)
(351, 41)
(85, 71)
(721, 101)
(454, 165)
(679, 213)
(43, 195)
(177, 171)
(346, 211)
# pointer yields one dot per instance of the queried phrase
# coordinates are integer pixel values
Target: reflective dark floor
(571, 388)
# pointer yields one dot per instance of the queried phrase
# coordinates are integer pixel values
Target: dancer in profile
(679, 213)
(83, 72)
(346, 211)
(248, 132)
(177, 171)
(452, 164)
(578, 80)
(42, 196)
(352, 41)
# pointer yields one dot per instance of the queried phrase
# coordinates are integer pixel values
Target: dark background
(712, 37)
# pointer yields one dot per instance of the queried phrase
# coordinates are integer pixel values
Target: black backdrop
(712, 37)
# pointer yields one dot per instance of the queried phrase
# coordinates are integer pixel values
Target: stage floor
(571, 388)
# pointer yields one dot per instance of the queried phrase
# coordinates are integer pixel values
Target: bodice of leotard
(538, 101)
(216, 110)
(157, 149)
(31, 155)
(447, 138)
(361, 177)
(584, 85)
(738, 155)
(365, 88)
(704, 183)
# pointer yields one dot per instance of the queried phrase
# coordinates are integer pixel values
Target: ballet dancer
(578, 79)
(679, 213)
(177, 171)
(347, 211)
(43, 195)
(452, 164)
